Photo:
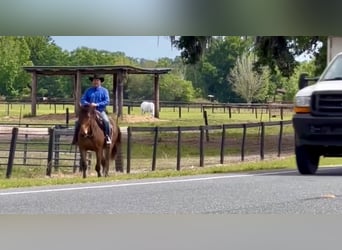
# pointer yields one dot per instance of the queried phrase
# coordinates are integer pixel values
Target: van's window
(334, 70)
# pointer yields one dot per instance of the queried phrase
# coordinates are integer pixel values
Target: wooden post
(243, 142)
(155, 145)
(179, 145)
(78, 91)
(206, 124)
(262, 141)
(129, 147)
(156, 95)
(114, 92)
(120, 79)
(201, 146)
(50, 152)
(34, 94)
(223, 139)
(280, 137)
(11, 154)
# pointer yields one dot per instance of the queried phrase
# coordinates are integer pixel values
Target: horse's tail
(116, 146)
(116, 153)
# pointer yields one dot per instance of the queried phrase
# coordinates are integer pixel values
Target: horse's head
(86, 115)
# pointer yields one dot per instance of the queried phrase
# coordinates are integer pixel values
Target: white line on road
(140, 183)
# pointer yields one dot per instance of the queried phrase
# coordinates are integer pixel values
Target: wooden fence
(270, 109)
(204, 138)
(38, 146)
(51, 147)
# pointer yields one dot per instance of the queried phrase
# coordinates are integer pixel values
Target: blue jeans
(105, 122)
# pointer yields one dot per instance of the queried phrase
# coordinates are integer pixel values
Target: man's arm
(84, 99)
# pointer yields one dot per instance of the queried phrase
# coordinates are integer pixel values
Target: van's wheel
(307, 159)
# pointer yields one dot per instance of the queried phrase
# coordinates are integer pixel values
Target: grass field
(169, 116)
(166, 153)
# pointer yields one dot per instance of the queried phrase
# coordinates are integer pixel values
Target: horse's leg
(98, 162)
(106, 151)
(103, 161)
(83, 162)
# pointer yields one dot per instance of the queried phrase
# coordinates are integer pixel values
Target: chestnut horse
(91, 137)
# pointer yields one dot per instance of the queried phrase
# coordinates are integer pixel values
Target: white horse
(147, 107)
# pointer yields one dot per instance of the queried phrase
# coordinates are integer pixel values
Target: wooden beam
(114, 92)
(77, 91)
(34, 94)
(156, 95)
(120, 82)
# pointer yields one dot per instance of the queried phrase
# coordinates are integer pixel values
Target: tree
(281, 51)
(273, 51)
(14, 54)
(247, 83)
(210, 74)
(192, 47)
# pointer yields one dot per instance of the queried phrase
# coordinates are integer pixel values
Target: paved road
(281, 192)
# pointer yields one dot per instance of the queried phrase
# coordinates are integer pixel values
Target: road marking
(140, 183)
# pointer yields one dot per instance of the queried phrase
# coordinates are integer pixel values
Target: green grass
(168, 116)
(23, 176)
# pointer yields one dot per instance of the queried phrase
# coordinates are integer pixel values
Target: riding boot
(77, 129)
(108, 139)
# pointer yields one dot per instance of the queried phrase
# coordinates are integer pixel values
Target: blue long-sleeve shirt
(98, 95)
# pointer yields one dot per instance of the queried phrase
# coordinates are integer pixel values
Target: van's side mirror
(303, 81)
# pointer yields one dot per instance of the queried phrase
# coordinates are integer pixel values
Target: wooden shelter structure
(119, 73)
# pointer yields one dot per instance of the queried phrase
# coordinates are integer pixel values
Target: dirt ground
(126, 118)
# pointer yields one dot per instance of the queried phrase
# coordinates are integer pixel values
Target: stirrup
(108, 140)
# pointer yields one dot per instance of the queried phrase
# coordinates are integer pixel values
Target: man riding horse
(96, 96)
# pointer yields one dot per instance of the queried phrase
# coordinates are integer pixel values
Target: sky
(147, 47)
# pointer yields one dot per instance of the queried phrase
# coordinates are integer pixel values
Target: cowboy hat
(96, 76)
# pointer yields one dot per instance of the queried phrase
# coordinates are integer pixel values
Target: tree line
(229, 69)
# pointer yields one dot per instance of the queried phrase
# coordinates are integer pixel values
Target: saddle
(100, 122)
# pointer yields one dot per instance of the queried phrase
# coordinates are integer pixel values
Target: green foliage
(210, 75)
(14, 54)
(201, 70)
(192, 47)
(279, 52)
(250, 85)
(291, 86)
(173, 88)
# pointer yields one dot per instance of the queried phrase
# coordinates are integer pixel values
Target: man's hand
(93, 104)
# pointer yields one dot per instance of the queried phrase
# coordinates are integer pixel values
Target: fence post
(262, 141)
(223, 138)
(119, 167)
(179, 111)
(12, 152)
(56, 144)
(76, 160)
(281, 112)
(179, 148)
(269, 112)
(280, 137)
(201, 146)
(206, 124)
(67, 117)
(156, 130)
(243, 142)
(50, 152)
(129, 147)
(25, 146)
